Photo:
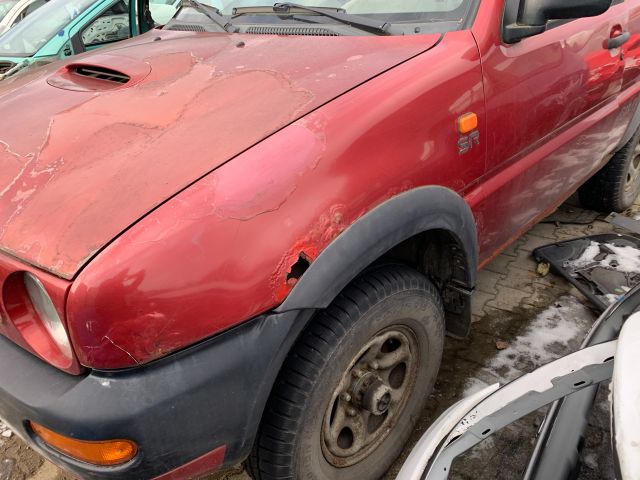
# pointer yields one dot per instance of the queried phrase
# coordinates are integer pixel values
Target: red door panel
(552, 117)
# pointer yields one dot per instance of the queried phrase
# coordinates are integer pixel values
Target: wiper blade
(214, 14)
(363, 23)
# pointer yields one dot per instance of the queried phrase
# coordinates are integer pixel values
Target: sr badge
(469, 134)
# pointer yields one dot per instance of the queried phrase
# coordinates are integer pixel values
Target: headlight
(47, 314)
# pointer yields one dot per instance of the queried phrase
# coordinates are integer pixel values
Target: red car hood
(80, 161)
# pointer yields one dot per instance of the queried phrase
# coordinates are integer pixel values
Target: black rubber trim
(176, 409)
(384, 227)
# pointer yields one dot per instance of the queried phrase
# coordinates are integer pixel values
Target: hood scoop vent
(312, 31)
(101, 73)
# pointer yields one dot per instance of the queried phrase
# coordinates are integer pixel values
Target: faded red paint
(231, 163)
(197, 102)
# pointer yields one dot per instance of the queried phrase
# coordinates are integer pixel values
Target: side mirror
(526, 18)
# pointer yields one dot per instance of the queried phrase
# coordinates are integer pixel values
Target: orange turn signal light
(467, 122)
(104, 453)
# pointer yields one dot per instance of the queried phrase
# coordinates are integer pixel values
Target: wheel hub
(372, 393)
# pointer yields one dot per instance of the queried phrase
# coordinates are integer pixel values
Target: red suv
(245, 235)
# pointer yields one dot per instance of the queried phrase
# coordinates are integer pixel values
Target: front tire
(352, 387)
(617, 185)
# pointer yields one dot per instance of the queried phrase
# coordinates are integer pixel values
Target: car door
(552, 115)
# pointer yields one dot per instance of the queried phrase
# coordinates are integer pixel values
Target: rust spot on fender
(307, 249)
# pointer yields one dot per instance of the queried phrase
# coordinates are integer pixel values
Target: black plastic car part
(593, 265)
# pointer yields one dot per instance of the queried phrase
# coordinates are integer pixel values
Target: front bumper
(205, 399)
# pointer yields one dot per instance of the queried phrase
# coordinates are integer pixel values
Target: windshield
(30, 35)
(393, 10)
(5, 6)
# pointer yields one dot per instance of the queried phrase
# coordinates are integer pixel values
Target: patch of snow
(588, 256)
(545, 339)
(7, 434)
(623, 258)
(626, 258)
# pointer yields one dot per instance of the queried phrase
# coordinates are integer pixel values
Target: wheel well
(430, 228)
(440, 255)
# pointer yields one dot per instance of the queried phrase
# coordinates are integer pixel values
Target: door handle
(618, 40)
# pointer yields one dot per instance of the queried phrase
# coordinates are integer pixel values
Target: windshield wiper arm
(363, 23)
(214, 15)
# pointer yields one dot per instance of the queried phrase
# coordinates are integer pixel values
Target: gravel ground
(521, 321)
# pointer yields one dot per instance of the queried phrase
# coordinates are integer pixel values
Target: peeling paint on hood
(79, 167)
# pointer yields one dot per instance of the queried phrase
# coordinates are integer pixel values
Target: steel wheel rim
(360, 415)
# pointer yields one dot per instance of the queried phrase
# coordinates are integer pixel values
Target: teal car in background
(63, 28)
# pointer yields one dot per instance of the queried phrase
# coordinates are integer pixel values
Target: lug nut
(374, 365)
(345, 397)
(351, 412)
(357, 373)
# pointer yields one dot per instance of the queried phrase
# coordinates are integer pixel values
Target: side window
(32, 7)
(163, 10)
(112, 25)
